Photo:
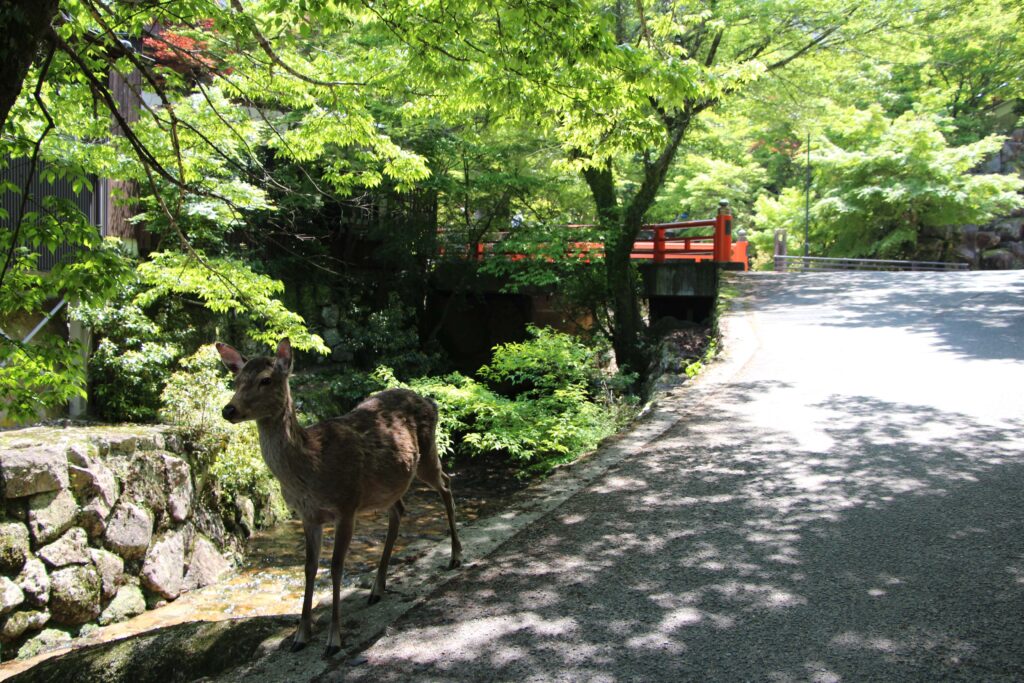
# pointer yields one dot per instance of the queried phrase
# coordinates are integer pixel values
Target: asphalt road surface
(839, 499)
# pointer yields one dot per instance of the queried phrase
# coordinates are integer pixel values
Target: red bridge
(661, 242)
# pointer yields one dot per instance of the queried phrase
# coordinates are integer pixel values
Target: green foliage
(48, 371)
(882, 186)
(542, 365)
(553, 419)
(229, 453)
(226, 285)
(133, 357)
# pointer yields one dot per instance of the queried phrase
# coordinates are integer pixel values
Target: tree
(617, 86)
(892, 188)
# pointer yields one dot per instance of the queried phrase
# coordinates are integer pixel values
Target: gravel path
(838, 500)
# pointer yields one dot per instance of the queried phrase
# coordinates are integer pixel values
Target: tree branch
(37, 95)
(269, 50)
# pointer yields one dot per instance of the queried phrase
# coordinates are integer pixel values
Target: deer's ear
(230, 357)
(284, 359)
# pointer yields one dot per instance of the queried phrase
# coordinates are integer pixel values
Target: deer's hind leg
(430, 473)
(395, 513)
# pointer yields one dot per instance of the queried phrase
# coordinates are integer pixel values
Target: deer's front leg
(342, 537)
(313, 532)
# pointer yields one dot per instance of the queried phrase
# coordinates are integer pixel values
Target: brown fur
(363, 460)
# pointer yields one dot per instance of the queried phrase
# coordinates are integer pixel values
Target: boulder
(11, 595)
(34, 582)
(14, 547)
(32, 469)
(18, 623)
(128, 602)
(163, 570)
(111, 569)
(987, 239)
(75, 594)
(178, 480)
(129, 530)
(89, 476)
(50, 515)
(47, 639)
(245, 513)
(71, 548)
(93, 517)
(206, 565)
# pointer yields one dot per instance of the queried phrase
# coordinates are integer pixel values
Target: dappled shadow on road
(895, 554)
(973, 314)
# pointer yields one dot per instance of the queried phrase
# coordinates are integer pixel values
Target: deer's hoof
(455, 563)
(332, 650)
(374, 599)
(296, 646)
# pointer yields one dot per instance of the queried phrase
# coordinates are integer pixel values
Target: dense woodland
(301, 159)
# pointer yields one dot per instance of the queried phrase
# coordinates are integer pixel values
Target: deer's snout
(230, 412)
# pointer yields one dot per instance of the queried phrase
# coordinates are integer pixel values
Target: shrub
(132, 360)
(553, 418)
(193, 399)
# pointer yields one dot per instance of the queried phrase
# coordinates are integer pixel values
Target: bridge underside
(471, 314)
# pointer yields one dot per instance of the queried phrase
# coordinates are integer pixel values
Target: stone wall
(999, 245)
(97, 525)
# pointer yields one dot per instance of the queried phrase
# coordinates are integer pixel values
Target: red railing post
(723, 233)
(659, 245)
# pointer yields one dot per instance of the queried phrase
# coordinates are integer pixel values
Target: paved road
(839, 500)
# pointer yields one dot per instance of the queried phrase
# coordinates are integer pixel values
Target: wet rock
(32, 469)
(13, 546)
(18, 623)
(163, 570)
(129, 530)
(50, 515)
(71, 548)
(48, 639)
(75, 594)
(127, 603)
(206, 566)
(11, 595)
(34, 582)
(110, 568)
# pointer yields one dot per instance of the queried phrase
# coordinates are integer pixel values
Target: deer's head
(261, 384)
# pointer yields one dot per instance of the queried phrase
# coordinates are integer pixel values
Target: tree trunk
(627, 323)
(23, 23)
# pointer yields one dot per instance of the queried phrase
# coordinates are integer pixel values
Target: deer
(363, 460)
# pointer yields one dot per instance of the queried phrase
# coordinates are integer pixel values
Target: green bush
(555, 417)
(549, 360)
(230, 454)
(132, 360)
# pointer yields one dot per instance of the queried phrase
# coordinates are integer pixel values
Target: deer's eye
(265, 381)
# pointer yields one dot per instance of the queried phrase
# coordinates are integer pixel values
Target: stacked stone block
(97, 524)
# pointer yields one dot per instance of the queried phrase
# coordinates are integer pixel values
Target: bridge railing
(805, 263)
(786, 263)
(659, 242)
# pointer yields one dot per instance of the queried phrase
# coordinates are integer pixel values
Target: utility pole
(807, 202)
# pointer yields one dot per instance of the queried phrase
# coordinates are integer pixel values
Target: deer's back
(368, 457)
